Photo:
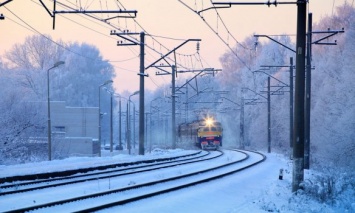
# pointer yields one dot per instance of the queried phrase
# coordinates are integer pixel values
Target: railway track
(145, 189)
(69, 172)
(120, 170)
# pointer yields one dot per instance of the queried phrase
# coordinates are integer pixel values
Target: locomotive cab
(210, 134)
(206, 133)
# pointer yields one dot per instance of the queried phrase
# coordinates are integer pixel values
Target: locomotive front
(210, 134)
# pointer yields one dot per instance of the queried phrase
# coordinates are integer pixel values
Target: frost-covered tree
(333, 108)
(21, 118)
(23, 85)
(333, 101)
(238, 74)
(85, 70)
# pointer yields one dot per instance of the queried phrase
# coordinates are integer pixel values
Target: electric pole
(291, 92)
(291, 102)
(141, 95)
(307, 123)
(131, 13)
(268, 116)
(173, 119)
(173, 75)
(2, 17)
(130, 41)
(298, 138)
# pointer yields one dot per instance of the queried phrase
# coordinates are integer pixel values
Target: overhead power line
(46, 37)
(91, 17)
(31, 28)
(218, 35)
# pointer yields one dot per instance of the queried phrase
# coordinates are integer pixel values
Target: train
(206, 133)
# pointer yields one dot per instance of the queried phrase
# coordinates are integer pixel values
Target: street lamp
(106, 82)
(128, 120)
(120, 124)
(111, 121)
(151, 123)
(49, 112)
(120, 147)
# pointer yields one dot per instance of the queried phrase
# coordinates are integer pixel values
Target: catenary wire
(211, 28)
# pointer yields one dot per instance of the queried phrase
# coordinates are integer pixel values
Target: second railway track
(137, 167)
(91, 198)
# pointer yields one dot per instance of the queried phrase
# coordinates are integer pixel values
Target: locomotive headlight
(209, 121)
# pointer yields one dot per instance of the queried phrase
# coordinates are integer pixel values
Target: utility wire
(89, 28)
(153, 37)
(234, 52)
(117, 28)
(46, 37)
(165, 37)
(225, 27)
(30, 28)
(98, 19)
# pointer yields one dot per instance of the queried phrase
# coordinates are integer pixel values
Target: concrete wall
(75, 146)
(77, 121)
(74, 130)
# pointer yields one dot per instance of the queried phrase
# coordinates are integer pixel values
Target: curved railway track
(94, 176)
(92, 197)
(66, 173)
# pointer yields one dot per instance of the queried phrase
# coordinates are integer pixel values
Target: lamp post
(151, 122)
(49, 112)
(120, 121)
(120, 147)
(120, 124)
(106, 82)
(129, 121)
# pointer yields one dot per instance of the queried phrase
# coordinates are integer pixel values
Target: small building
(75, 130)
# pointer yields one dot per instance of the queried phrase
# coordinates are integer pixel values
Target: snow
(84, 162)
(257, 189)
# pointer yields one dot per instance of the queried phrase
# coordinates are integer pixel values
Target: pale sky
(160, 18)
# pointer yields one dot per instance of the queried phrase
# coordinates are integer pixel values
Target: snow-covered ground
(256, 189)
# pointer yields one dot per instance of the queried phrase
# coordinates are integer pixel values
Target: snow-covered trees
(333, 102)
(24, 87)
(84, 71)
(333, 108)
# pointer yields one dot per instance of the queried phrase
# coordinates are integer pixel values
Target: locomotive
(206, 133)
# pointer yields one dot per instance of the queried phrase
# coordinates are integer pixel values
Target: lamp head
(108, 82)
(58, 63)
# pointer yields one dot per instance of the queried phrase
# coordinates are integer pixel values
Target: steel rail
(52, 204)
(106, 174)
(84, 170)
